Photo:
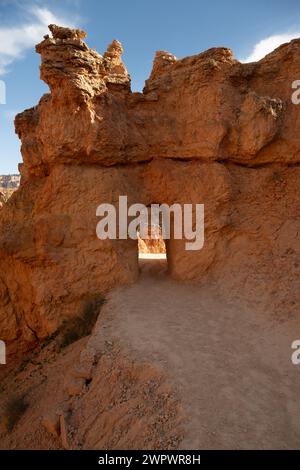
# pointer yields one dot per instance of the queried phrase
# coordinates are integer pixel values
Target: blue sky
(251, 29)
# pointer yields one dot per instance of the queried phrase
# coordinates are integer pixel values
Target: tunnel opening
(152, 246)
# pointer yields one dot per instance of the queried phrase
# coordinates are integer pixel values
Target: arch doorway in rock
(153, 246)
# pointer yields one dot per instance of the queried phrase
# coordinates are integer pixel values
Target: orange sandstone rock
(206, 129)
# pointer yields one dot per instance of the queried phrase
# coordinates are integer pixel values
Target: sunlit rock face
(206, 129)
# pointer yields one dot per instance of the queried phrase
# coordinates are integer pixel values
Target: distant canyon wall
(9, 181)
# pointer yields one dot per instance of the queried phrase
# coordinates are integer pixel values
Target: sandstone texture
(105, 398)
(206, 129)
(2, 199)
(168, 365)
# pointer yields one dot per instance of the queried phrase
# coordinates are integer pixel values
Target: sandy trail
(230, 365)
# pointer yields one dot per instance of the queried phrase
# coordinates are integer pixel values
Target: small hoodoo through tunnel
(152, 249)
(153, 246)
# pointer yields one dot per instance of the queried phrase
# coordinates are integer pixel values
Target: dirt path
(231, 366)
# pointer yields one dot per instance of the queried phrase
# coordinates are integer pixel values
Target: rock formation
(2, 199)
(206, 129)
(9, 181)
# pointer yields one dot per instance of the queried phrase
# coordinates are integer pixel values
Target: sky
(184, 27)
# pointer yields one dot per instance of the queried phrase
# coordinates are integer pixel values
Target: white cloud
(15, 40)
(267, 45)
